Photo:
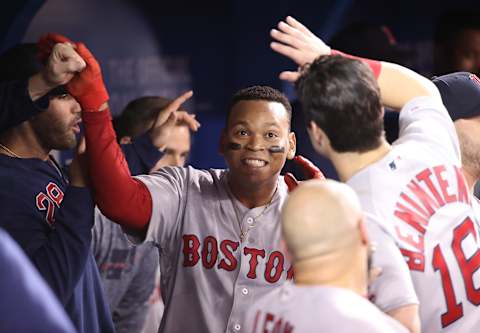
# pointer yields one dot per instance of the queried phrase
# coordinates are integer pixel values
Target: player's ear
(292, 145)
(125, 140)
(363, 231)
(223, 142)
(318, 138)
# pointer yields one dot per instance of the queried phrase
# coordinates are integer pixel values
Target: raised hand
(47, 42)
(61, 65)
(294, 41)
(87, 86)
(310, 170)
(168, 118)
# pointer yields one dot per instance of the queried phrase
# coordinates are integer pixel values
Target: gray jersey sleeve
(168, 188)
(426, 120)
(394, 287)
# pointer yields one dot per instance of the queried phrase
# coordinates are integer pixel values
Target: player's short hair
(139, 115)
(343, 98)
(21, 62)
(260, 93)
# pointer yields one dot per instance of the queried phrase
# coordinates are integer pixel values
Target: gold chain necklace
(244, 233)
(9, 151)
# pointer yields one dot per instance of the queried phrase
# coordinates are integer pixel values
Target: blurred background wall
(213, 47)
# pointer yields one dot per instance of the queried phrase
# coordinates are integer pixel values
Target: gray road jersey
(209, 278)
(127, 271)
(417, 193)
(318, 309)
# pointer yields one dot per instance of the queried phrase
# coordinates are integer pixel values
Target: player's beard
(470, 150)
(53, 133)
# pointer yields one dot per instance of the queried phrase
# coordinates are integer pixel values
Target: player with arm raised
(414, 189)
(218, 230)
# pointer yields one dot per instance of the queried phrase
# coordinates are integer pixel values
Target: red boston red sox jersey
(296, 309)
(418, 193)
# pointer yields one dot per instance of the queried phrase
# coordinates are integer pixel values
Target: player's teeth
(256, 163)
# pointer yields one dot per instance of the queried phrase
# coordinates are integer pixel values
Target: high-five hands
(62, 64)
(87, 86)
(168, 118)
(294, 41)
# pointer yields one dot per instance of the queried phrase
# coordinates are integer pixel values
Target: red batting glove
(87, 86)
(310, 170)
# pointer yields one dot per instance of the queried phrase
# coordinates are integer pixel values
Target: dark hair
(138, 116)
(260, 93)
(342, 97)
(20, 62)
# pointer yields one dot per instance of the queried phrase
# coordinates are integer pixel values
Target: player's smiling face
(257, 140)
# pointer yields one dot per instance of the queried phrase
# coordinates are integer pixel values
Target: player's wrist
(374, 65)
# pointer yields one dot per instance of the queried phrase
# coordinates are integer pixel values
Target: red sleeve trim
(375, 65)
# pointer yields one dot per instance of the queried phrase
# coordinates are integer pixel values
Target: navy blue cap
(460, 93)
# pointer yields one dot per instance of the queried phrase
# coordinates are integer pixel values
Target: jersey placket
(243, 291)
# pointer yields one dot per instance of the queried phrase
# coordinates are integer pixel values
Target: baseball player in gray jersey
(331, 259)
(218, 230)
(414, 188)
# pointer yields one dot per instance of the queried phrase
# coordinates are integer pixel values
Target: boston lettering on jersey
(209, 252)
(268, 322)
(426, 193)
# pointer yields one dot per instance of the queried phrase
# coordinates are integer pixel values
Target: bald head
(321, 217)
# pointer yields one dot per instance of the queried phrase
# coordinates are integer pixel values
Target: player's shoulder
(423, 103)
(358, 312)
(186, 179)
(188, 173)
(18, 185)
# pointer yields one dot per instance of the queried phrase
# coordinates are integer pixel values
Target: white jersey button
(245, 291)
(250, 220)
(237, 327)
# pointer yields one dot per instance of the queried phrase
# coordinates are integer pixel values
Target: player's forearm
(38, 86)
(141, 154)
(398, 85)
(120, 197)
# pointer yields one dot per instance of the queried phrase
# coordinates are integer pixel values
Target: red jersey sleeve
(120, 197)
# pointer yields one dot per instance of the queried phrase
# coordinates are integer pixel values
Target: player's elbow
(408, 316)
